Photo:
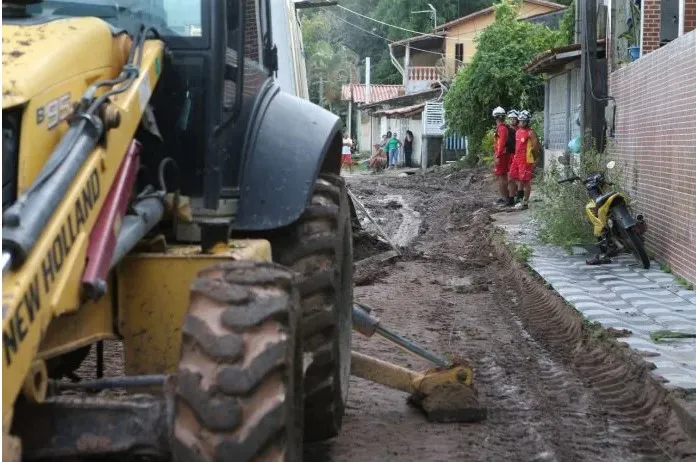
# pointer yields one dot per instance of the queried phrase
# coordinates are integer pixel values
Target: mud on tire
(319, 248)
(238, 394)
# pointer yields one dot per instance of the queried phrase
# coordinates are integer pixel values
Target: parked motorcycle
(612, 222)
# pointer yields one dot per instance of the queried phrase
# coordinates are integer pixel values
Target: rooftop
(357, 92)
(551, 59)
(552, 5)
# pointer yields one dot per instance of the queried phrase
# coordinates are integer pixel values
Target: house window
(669, 21)
(458, 55)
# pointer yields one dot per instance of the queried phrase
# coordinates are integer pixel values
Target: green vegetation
(337, 41)
(684, 283)
(594, 329)
(680, 280)
(522, 252)
(659, 335)
(496, 75)
(567, 26)
(561, 214)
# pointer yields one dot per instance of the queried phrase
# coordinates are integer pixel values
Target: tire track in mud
(546, 404)
(620, 380)
(551, 393)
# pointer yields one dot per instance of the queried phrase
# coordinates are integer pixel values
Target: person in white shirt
(346, 158)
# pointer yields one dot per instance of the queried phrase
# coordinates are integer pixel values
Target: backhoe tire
(319, 248)
(238, 394)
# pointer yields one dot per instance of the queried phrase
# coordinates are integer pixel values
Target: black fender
(291, 141)
(620, 212)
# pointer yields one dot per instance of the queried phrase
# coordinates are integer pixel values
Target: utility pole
(592, 110)
(432, 12)
(350, 118)
(368, 95)
(321, 91)
(368, 89)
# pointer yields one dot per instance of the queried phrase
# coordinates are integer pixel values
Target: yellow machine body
(45, 70)
(598, 215)
(153, 295)
(41, 65)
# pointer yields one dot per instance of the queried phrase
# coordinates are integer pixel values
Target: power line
(386, 39)
(418, 34)
(425, 34)
(390, 25)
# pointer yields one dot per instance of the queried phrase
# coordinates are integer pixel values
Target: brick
(656, 145)
(251, 32)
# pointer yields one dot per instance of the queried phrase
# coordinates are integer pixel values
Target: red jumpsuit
(501, 158)
(520, 169)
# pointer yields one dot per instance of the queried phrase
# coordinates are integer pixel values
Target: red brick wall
(690, 16)
(655, 143)
(651, 25)
(251, 32)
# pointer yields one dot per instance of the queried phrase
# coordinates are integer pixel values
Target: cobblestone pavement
(621, 295)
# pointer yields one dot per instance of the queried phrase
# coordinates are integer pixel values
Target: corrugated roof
(403, 111)
(358, 94)
(557, 56)
(552, 5)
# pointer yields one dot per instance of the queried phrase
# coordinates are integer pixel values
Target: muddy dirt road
(552, 396)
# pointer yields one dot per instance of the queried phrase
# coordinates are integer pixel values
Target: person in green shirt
(393, 144)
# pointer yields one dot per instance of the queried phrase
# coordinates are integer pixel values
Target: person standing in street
(502, 156)
(408, 148)
(513, 122)
(527, 149)
(513, 118)
(346, 156)
(393, 144)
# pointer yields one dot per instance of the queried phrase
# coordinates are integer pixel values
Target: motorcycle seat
(603, 198)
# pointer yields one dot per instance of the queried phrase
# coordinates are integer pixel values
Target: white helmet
(525, 115)
(499, 112)
(512, 114)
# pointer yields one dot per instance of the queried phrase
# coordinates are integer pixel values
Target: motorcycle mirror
(611, 164)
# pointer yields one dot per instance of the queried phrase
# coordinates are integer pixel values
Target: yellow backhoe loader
(155, 178)
(160, 190)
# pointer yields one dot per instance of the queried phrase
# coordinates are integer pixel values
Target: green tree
(329, 64)
(364, 37)
(496, 75)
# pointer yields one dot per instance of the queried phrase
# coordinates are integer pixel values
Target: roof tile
(358, 93)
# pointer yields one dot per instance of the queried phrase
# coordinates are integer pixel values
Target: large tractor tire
(319, 248)
(238, 393)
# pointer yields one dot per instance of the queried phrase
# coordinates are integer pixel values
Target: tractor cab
(216, 105)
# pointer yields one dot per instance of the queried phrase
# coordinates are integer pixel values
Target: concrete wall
(655, 142)
(380, 125)
(419, 58)
(562, 95)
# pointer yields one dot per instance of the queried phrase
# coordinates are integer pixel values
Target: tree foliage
(356, 38)
(496, 76)
(329, 64)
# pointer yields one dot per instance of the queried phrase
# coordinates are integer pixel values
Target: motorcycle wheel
(636, 243)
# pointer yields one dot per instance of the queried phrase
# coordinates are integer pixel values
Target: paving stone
(623, 295)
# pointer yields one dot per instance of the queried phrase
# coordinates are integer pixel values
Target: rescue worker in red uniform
(527, 151)
(502, 156)
(513, 123)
